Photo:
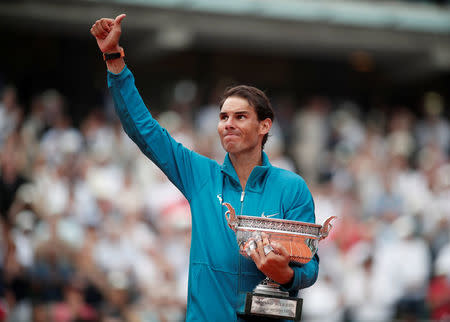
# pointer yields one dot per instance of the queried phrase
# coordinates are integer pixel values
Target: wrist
(287, 277)
(114, 59)
(115, 66)
(115, 49)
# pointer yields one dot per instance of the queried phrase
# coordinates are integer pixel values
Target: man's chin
(230, 148)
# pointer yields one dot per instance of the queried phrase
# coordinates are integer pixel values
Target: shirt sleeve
(302, 209)
(304, 275)
(177, 162)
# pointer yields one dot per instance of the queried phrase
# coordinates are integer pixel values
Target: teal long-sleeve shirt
(219, 276)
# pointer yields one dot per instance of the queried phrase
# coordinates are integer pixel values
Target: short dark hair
(256, 98)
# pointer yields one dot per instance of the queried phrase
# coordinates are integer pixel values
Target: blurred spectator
(73, 306)
(438, 297)
(10, 176)
(322, 302)
(410, 277)
(10, 113)
(389, 204)
(311, 135)
(61, 141)
(366, 288)
(434, 128)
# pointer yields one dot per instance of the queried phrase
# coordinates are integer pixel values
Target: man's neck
(244, 163)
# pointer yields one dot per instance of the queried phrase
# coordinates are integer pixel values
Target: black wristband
(109, 56)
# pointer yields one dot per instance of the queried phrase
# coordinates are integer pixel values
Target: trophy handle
(230, 214)
(326, 227)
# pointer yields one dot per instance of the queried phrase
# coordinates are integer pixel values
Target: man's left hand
(275, 263)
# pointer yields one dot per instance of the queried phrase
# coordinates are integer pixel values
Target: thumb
(119, 18)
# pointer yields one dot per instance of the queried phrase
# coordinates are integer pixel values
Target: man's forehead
(234, 104)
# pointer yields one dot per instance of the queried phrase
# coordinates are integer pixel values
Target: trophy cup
(301, 241)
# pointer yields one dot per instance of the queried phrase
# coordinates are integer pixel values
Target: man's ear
(265, 126)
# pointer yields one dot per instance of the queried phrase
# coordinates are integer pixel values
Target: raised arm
(185, 168)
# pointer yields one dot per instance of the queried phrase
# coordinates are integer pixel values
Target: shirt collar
(257, 176)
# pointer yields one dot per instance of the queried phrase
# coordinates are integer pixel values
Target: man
(219, 276)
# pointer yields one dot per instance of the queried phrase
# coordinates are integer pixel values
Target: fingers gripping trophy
(295, 240)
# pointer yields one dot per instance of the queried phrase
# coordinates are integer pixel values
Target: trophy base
(276, 305)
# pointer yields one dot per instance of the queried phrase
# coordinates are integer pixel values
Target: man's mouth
(230, 135)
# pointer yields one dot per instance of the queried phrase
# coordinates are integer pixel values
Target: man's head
(246, 115)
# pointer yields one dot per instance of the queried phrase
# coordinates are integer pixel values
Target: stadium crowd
(92, 231)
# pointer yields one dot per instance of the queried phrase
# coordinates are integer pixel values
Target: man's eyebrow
(237, 112)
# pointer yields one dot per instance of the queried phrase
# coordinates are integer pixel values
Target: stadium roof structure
(321, 28)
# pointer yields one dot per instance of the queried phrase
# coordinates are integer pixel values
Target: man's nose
(229, 123)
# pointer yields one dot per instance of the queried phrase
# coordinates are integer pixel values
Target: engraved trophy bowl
(300, 239)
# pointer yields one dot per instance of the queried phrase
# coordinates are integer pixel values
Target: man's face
(239, 128)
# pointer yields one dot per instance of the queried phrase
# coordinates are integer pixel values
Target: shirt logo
(219, 196)
(268, 216)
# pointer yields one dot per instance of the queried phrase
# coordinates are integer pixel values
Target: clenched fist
(107, 33)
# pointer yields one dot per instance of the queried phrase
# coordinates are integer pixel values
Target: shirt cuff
(288, 286)
(112, 77)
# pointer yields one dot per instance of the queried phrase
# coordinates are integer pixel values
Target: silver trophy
(300, 239)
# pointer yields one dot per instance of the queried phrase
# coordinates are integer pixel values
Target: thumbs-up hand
(107, 33)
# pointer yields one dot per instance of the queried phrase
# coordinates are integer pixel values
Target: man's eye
(223, 117)
(241, 117)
